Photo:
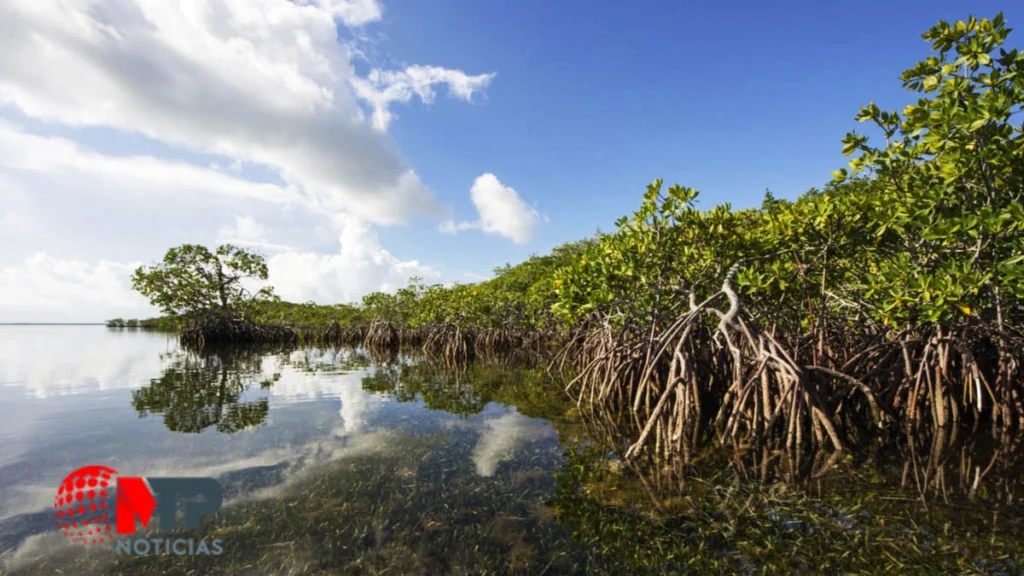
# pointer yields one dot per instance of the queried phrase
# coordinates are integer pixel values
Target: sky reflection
(66, 401)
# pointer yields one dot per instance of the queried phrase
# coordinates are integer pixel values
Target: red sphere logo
(83, 506)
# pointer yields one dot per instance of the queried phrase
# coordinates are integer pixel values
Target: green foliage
(161, 323)
(305, 314)
(194, 283)
(518, 297)
(928, 228)
(948, 211)
(167, 323)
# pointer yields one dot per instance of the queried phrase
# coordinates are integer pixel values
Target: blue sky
(593, 100)
(306, 128)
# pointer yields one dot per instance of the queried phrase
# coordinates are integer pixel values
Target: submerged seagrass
(418, 497)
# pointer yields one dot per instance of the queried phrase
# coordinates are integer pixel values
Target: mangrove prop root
(721, 366)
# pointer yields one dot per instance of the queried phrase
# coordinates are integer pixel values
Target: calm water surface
(333, 465)
(72, 396)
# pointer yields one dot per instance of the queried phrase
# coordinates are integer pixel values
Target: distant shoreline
(52, 324)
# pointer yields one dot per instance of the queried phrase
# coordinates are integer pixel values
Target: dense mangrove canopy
(891, 296)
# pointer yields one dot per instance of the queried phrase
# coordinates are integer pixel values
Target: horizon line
(53, 323)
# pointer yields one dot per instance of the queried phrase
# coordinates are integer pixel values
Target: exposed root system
(715, 367)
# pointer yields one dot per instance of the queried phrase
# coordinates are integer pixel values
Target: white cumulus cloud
(501, 211)
(142, 124)
(248, 232)
(245, 230)
(361, 265)
(43, 285)
(259, 81)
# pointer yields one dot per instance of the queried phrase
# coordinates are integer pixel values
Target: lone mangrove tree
(197, 285)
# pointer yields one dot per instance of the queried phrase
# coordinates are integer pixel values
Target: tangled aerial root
(713, 368)
(442, 343)
(235, 331)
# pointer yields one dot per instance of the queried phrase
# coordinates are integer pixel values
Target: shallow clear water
(66, 401)
(334, 464)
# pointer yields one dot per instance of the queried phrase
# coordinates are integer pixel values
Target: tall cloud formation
(502, 211)
(360, 266)
(264, 86)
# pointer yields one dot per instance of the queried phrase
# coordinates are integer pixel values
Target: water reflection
(258, 422)
(501, 438)
(440, 388)
(322, 374)
(200, 390)
(334, 462)
(47, 361)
